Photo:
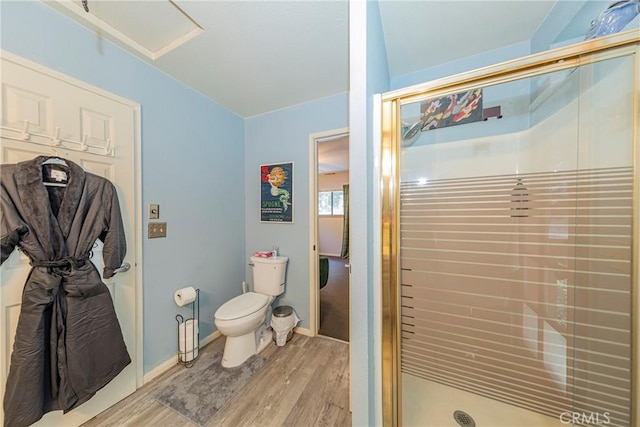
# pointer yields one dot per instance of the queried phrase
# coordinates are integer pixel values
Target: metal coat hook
(107, 149)
(84, 146)
(25, 130)
(55, 139)
(85, 5)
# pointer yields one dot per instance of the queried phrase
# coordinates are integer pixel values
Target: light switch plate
(154, 211)
(157, 229)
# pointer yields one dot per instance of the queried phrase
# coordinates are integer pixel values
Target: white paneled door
(46, 113)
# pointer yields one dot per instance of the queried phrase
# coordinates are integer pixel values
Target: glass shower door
(516, 221)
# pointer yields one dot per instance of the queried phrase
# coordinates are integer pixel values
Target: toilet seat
(241, 306)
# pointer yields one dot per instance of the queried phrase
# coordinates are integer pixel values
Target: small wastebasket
(283, 320)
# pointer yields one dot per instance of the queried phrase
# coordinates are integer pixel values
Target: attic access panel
(149, 27)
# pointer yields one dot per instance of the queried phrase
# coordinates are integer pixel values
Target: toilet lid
(242, 305)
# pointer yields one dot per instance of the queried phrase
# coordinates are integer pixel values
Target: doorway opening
(329, 189)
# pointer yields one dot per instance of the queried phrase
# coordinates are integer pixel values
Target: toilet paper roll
(185, 296)
(188, 330)
(188, 352)
(188, 340)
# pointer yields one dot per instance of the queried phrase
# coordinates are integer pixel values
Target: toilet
(242, 319)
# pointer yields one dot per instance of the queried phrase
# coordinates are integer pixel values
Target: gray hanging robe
(68, 341)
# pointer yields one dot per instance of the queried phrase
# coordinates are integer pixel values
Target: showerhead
(410, 134)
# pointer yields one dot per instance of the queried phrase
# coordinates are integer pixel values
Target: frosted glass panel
(515, 230)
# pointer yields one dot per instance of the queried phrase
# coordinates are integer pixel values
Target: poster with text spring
(276, 192)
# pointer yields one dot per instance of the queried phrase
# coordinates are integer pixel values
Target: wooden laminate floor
(304, 383)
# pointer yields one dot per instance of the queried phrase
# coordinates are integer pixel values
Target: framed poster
(276, 192)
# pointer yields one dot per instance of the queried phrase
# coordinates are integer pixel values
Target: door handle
(348, 266)
(123, 268)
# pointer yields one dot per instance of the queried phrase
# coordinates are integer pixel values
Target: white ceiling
(333, 154)
(421, 34)
(259, 56)
(254, 57)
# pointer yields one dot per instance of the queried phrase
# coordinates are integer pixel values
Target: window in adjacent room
(331, 203)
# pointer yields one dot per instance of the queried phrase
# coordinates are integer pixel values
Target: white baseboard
(208, 339)
(304, 331)
(172, 361)
(324, 337)
(160, 369)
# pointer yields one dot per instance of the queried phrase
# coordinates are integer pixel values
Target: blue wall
(567, 22)
(192, 165)
(368, 76)
(564, 24)
(201, 163)
(562, 17)
(278, 137)
(469, 63)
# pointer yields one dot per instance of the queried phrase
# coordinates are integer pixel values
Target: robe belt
(68, 261)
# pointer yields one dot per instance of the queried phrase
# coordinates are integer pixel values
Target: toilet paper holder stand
(184, 355)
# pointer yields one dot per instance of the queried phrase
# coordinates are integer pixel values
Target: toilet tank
(268, 274)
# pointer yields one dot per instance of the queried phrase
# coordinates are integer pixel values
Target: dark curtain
(345, 226)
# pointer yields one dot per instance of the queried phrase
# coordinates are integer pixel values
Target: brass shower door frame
(621, 44)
